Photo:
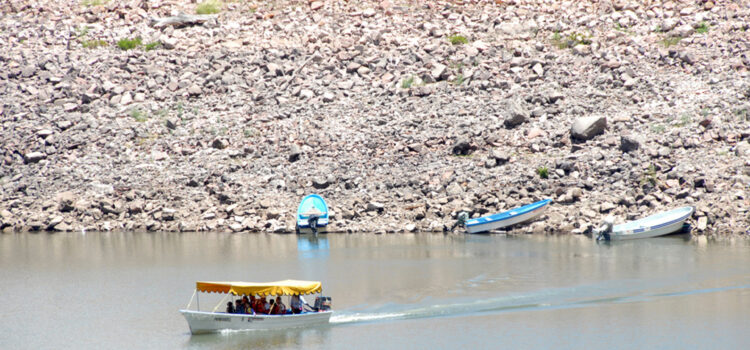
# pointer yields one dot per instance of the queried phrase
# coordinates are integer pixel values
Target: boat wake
(402, 312)
(364, 317)
(560, 298)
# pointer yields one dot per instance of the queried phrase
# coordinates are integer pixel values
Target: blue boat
(312, 214)
(506, 218)
(652, 226)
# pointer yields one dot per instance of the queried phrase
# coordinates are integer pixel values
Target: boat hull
(507, 218)
(312, 204)
(652, 226)
(304, 230)
(210, 322)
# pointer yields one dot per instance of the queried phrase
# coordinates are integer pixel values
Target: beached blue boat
(506, 218)
(652, 226)
(312, 214)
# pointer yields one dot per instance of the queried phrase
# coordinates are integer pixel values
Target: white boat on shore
(213, 321)
(652, 226)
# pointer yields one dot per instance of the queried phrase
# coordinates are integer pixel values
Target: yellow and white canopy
(286, 287)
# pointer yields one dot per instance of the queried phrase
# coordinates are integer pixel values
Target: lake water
(421, 291)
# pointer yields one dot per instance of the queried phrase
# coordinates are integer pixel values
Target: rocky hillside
(401, 113)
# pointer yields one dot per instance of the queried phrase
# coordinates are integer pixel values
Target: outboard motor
(312, 220)
(605, 229)
(461, 221)
(322, 303)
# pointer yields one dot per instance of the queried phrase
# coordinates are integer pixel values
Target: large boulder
(517, 114)
(462, 147)
(585, 128)
(629, 143)
(33, 157)
(742, 149)
(66, 200)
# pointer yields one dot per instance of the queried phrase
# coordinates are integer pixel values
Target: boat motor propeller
(460, 221)
(604, 230)
(312, 220)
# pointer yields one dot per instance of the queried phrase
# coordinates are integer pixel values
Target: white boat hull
(655, 225)
(494, 225)
(625, 235)
(209, 322)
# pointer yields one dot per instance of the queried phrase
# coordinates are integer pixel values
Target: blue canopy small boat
(652, 226)
(506, 218)
(312, 214)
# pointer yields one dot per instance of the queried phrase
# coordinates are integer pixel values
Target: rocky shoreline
(400, 113)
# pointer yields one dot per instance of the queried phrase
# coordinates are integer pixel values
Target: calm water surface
(423, 291)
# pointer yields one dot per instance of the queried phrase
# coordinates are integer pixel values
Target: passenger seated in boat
(250, 306)
(254, 302)
(274, 308)
(266, 305)
(240, 308)
(246, 305)
(281, 306)
(230, 308)
(261, 309)
(296, 304)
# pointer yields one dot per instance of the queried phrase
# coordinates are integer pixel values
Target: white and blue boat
(312, 214)
(506, 218)
(652, 226)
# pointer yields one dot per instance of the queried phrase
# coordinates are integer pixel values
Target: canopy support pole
(191, 300)
(221, 302)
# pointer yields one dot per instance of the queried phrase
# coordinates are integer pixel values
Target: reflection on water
(312, 246)
(274, 339)
(96, 290)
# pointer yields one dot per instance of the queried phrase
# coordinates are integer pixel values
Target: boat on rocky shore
(652, 226)
(213, 321)
(312, 214)
(506, 218)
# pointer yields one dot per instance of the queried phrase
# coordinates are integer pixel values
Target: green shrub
(571, 40)
(138, 115)
(128, 44)
(208, 7)
(543, 172)
(649, 176)
(459, 79)
(82, 31)
(152, 46)
(684, 120)
(92, 44)
(620, 28)
(658, 128)
(702, 28)
(457, 39)
(671, 41)
(180, 110)
(251, 132)
(89, 3)
(406, 83)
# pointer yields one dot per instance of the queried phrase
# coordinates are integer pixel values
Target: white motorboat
(213, 321)
(652, 226)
